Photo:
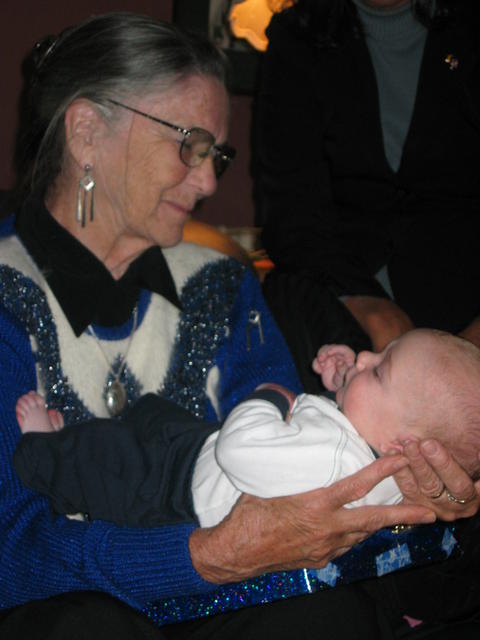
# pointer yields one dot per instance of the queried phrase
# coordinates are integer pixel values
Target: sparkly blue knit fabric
(383, 553)
(44, 555)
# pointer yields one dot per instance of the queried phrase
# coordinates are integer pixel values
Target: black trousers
(445, 595)
(95, 616)
(345, 613)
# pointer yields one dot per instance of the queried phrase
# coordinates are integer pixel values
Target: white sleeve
(264, 456)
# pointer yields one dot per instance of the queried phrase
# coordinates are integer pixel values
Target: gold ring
(439, 494)
(454, 499)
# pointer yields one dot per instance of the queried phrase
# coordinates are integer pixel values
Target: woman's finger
(357, 485)
(461, 498)
(369, 519)
(436, 480)
(456, 480)
(421, 477)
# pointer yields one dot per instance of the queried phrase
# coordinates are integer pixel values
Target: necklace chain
(115, 395)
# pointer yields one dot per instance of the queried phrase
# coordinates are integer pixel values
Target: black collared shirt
(83, 286)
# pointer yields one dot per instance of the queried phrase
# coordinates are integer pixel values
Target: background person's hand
(380, 318)
(432, 476)
(472, 332)
(292, 532)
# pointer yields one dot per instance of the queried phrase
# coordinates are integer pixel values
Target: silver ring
(454, 499)
(439, 494)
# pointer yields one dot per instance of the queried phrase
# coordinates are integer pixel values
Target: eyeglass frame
(226, 152)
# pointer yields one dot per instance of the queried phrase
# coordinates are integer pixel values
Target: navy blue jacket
(332, 207)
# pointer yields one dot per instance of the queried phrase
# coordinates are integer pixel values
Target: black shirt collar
(80, 282)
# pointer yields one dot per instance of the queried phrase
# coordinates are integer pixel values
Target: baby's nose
(363, 359)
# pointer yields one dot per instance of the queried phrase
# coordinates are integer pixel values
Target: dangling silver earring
(86, 186)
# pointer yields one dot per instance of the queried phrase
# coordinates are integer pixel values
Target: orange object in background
(209, 236)
(250, 18)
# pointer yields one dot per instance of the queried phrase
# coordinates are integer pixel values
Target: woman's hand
(305, 530)
(437, 481)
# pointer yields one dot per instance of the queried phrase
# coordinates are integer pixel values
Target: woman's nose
(204, 177)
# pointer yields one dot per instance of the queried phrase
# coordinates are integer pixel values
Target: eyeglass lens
(197, 145)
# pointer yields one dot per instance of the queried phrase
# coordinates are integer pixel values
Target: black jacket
(331, 205)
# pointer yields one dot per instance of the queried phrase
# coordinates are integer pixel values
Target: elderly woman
(124, 123)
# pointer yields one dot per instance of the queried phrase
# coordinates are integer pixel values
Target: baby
(424, 384)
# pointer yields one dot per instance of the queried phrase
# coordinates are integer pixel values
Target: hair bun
(43, 50)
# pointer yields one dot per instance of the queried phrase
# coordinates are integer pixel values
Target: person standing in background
(368, 125)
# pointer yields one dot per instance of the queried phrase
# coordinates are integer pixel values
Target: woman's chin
(167, 235)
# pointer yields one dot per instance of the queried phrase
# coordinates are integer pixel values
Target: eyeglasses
(197, 143)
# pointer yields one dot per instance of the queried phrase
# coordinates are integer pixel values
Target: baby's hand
(332, 362)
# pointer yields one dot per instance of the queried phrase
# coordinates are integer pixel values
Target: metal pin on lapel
(451, 61)
(254, 320)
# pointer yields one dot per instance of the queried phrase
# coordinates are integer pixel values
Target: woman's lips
(185, 210)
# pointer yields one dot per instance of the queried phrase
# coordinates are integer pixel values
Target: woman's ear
(84, 126)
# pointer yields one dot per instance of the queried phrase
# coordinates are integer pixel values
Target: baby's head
(425, 384)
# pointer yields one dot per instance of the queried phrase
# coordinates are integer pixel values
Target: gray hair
(103, 58)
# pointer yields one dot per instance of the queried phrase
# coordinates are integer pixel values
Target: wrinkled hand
(305, 530)
(431, 476)
(380, 318)
(332, 362)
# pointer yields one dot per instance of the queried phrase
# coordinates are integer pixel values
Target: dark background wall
(24, 22)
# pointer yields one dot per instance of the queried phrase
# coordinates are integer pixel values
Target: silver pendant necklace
(115, 395)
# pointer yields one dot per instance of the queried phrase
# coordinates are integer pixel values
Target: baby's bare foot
(32, 415)
(56, 418)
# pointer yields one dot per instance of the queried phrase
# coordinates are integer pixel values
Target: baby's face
(380, 388)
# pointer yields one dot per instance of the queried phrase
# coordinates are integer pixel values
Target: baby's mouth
(348, 375)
